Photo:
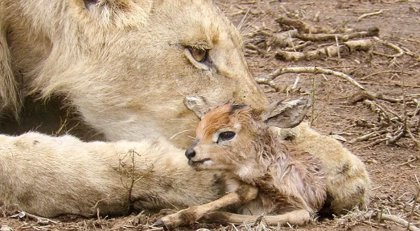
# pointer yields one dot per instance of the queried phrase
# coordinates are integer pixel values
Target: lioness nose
(190, 153)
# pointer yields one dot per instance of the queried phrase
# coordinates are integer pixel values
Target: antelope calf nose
(190, 153)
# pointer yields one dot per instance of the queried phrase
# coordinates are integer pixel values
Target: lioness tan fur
(121, 63)
(51, 176)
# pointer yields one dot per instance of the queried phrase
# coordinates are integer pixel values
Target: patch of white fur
(208, 163)
(215, 136)
(231, 185)
(237, 126)
(248, 170)
(244, 171)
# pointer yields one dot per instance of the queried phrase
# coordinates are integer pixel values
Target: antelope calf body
(264, 174)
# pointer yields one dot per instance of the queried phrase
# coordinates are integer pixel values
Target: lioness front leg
(187, 216)
(50, 176)
(296, 217)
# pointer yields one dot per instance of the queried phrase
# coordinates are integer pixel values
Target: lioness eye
(200, 55)
(224, 136)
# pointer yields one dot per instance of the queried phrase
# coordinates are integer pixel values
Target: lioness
(129, 68)
(122, 63)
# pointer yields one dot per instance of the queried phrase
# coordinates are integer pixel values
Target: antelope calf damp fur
(270, 175)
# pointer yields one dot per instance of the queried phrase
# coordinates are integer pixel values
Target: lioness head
(127, 65)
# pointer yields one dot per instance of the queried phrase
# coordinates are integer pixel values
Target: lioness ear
(197, 104)
(286, 114)
(119, 12)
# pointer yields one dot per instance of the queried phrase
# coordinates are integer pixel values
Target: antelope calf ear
(286, 114)
(197, 104)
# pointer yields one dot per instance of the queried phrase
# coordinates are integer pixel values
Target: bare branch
(399, 53)
(341, 37)
(314, 70)
(302, 26)
(400, 221)
(369, 14)
(331, 51)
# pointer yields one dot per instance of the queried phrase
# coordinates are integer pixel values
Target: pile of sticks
(298, 40)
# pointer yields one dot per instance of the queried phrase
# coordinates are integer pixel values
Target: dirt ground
(389, 68)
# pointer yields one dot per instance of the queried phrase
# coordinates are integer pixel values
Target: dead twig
(392, 138)
(363, 95)
(384, 111)
(268, 82)
(129, 176)
(410, 53)
(416, 123)
(378, 216)
(399, 221)
(341, 37)
(367, 136)
(302, 26)
(39, 220)
(314, 70)
(255, 48)
(384, 72)
(390, 126)
(369, 15)
(299, 46)
(416, 141)
(399, 51)
(409, 161)
(330, 51)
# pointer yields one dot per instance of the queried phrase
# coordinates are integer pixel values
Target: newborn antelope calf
(263, 174)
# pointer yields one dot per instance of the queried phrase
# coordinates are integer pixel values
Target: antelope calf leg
(296, 217)
(189, 215)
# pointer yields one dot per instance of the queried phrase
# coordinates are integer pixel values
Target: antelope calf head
(229, 137)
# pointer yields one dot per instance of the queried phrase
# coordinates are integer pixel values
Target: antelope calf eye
(200, 55)
(225, 136)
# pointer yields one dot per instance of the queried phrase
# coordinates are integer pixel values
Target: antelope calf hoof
(181, 218)
(168, 222)
(159, 223)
